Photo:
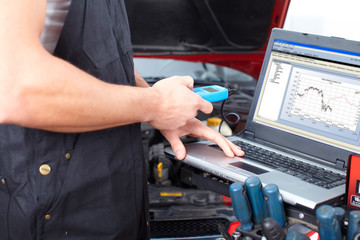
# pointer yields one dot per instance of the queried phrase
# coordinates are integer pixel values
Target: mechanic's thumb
(188, 81)
(205, 106)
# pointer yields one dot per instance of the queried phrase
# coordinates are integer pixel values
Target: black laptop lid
(308, 96)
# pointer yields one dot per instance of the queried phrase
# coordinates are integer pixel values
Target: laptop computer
(305, 111)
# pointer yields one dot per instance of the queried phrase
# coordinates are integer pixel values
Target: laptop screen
(313, 92)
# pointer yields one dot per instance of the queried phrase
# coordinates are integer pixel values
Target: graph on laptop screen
(313, 92)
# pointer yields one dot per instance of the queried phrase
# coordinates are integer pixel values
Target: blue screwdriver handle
(274, 204)
(256, 198)
(354, 226)
(329, 227)
(241, 206)
(340, 215)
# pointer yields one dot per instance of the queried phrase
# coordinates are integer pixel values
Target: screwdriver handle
(274, 204)
(241, 206)
(256, 197)
(354, 224)
(329, 227)
(340, 215)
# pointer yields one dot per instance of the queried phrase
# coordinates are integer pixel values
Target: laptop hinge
(249, 134)
(339, 163)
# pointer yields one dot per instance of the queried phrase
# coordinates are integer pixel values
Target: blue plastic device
(212, 93)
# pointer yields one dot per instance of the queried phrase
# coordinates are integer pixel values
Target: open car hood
(231, 33)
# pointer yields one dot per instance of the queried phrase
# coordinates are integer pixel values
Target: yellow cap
(213, 121)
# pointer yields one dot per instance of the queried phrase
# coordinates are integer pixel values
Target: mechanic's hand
(196, 128)
(177, 103)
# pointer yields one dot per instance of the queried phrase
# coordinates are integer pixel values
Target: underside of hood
(199, 25)
(203, 27)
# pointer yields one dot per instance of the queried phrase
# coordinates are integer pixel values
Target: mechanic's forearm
(39, 90)
(51, 94)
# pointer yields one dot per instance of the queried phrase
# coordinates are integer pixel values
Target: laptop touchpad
(248, 167)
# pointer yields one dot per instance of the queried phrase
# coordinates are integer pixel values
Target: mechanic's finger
(236, 149)
(214, 136)
(176, 145)
(228, 147)
(223, 144)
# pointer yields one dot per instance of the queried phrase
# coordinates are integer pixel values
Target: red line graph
(328, 101)
(325, 106)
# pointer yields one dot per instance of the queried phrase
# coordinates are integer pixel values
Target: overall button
(47, 217)
(45, 169)
(3, 181)
(68, 156)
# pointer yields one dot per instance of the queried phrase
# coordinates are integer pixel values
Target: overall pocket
(99, 42)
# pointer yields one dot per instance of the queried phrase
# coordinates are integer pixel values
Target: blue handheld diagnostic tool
(213, 93)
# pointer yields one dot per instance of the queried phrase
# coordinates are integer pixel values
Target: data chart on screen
(327, 102)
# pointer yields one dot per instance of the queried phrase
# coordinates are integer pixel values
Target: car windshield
(152, 69)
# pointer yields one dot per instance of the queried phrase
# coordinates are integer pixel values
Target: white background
(340, 18)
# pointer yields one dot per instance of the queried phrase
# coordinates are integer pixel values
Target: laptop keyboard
(305, 171)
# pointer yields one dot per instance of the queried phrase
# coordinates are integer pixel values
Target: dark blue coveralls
(89, 186)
